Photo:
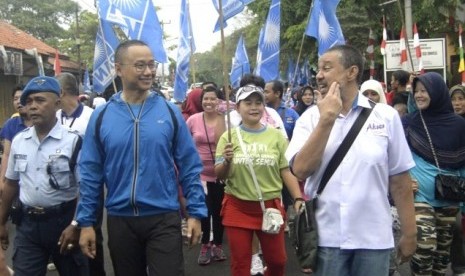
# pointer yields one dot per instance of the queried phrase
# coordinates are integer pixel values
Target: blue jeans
(355, 262)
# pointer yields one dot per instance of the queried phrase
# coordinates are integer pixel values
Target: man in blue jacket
(133, 144)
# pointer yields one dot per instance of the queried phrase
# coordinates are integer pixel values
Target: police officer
(41, 168)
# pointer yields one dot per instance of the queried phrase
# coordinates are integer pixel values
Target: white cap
(245, 91)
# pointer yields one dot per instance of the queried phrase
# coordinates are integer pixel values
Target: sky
(203, 16)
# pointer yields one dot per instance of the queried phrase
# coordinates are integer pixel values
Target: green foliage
(44, 20)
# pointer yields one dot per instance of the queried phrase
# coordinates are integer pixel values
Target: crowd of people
(220, 163)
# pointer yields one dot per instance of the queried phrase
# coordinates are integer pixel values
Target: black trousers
(214, 199)
(148, 245)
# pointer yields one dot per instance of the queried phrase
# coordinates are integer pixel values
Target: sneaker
(218, 253)
(257, 266)
(205, 254)
(51, 267)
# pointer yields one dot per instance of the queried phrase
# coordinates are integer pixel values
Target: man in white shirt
(73, 113)
(353, 215)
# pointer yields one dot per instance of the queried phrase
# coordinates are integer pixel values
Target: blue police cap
(40, 84)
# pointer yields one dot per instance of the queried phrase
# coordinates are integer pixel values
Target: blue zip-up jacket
(135, 160)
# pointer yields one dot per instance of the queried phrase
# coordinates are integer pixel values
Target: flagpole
(223, 61)
(301, 47)
(405, 38)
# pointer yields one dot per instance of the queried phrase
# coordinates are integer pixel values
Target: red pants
(240, 244)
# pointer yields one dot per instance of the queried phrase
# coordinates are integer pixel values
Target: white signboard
(433, 55)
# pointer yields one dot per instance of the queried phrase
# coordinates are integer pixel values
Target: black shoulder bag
(304, 230)
(446, 186)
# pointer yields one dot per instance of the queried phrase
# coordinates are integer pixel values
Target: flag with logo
(240, 65)
(230, 8)
(138, 20)
(86, 85)
(185, 49)
(269, 44)
(57, 64)
(104, 57)
(324, 26)
(258, 65)
(416, 46)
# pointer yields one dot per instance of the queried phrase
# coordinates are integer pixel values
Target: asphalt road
(214, 268)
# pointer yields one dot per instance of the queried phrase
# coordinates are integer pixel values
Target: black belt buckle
(36, 211)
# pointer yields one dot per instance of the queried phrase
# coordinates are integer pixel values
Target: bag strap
(430, 142)
(344, 147)
(208, 139)
(252, 171)
(73, 161)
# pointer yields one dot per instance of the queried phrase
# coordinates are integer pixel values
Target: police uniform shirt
(28, 162)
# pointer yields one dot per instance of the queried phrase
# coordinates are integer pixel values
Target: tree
(44, 20)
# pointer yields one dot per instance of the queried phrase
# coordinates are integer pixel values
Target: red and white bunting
(403, 50)
(370, 52)
(383, 42)
(416, 45)
(56, 64)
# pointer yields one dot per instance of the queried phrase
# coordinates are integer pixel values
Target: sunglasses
(51, 178)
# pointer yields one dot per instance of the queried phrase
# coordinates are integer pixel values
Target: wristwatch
(74, 223)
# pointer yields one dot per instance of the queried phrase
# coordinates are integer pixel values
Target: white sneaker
(256, 266)
(51, 267)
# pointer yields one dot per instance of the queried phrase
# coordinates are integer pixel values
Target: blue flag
(258, 65)
(230, 9)
(269, 44)
(240, 65)
(186, 48)
(138, 20)
(324, 26)
(104, 57)
(87, 88)
(304, 74)
(290, 72)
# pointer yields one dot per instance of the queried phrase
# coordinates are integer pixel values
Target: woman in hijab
(435, 121)
(305, 99)
(193, 103)
(374, 91)
(457, 96)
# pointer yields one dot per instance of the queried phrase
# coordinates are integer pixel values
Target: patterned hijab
(447, 130)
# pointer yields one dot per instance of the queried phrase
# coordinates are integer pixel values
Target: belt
(51, 210)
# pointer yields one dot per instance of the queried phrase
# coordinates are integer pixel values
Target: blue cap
(40, 84)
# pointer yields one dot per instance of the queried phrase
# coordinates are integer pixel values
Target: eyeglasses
(140, 67)
(52, 179)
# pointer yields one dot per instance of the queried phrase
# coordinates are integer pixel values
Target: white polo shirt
(353, 210)
(78, 120)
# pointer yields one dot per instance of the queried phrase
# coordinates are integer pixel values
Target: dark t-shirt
(12, 127)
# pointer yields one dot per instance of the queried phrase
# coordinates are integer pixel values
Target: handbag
(446, 186)
(272, 217)
(304, 229)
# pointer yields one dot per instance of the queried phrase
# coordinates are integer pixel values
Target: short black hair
(16, 88)
(278, 86)
(208, 83)
(349, 56)
(402, 77)
(123, 47)
(210, 89)
(252, 79)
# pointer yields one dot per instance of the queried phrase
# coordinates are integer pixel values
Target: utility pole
(163, 64)
(78, 44)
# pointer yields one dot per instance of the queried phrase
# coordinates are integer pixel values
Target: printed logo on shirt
(377, 128)
(20, 157)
